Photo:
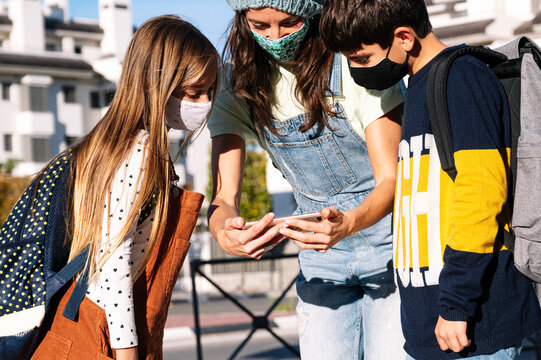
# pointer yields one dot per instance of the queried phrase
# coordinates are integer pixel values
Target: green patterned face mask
(284, 48)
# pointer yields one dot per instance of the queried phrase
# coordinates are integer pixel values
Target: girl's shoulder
(138, 149)
(142, 136)
(141, 141)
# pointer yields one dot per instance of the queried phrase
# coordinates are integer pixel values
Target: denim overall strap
(335, 78)
(325, 165)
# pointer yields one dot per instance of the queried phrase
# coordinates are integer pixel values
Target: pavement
(261, 346)
(220, 319)
(219, 316)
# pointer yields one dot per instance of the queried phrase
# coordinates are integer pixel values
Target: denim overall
(348, 303)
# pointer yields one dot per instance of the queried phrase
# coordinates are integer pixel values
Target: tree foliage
(255, 199)
(7, 167)
(11, 188)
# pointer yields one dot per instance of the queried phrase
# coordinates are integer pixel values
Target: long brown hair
(253, 71)
(164, 53)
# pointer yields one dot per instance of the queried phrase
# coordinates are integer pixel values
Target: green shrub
(255, 200)
(11, 188)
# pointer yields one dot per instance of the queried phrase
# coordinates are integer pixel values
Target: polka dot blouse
(112, 288)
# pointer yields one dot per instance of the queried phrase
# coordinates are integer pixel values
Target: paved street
(216, 305)
(225, 327)
(219, 314)
(262, 346)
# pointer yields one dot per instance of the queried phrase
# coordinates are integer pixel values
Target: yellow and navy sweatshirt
(448, 248)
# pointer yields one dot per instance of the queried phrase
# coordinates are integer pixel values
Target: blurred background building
(485, 22)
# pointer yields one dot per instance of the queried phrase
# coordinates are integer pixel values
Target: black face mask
(380, 76)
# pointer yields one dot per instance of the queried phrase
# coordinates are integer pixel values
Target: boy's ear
(406, 37)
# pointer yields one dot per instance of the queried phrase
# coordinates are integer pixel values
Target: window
(78, 49)
(95, 100)
(41, 149)
(5, 90)
(69, 93)
(38, 98)
(8, 143)
(50, 47)
(108, 97)
(70, 140)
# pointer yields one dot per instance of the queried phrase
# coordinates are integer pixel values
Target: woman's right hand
(251, 242)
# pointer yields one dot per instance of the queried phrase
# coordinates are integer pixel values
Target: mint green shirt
(231, 114)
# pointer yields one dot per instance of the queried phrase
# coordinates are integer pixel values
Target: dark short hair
(346, 24)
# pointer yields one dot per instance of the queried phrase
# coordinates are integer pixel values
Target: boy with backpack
(461, 295)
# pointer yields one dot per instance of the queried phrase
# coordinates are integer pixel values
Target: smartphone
(314, 216)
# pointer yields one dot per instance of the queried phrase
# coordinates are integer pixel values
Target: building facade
(485, 22)
(50, 93)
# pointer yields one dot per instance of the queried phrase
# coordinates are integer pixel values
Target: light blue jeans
(345, 316)
(511, 353)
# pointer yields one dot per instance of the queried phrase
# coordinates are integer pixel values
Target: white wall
(198, 162)
(116, 22)
(90, 51)
(27, 32)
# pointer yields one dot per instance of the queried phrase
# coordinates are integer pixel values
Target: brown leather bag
(88, 336)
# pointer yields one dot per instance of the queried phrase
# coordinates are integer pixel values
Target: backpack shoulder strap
(79, 292)
(436, 97)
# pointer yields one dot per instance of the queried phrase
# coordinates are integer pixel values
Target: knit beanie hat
(304, 8)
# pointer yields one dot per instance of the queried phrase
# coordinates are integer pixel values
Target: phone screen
(314, 216)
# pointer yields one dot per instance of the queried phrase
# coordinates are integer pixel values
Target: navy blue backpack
(34, 248)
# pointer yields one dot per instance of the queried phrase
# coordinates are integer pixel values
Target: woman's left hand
(321, 236)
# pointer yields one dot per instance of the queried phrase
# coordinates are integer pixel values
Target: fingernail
(271, 215)
(285, 225)
(287, 222)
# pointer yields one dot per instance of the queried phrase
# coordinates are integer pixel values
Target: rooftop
(53, 24)
(44, 61)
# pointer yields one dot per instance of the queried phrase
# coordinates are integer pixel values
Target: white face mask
(186, 115)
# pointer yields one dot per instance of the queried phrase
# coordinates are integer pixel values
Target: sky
(211, 17)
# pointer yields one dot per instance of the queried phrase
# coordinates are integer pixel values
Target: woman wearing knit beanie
(336, 143)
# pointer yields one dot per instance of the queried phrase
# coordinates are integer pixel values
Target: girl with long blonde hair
(122, 170)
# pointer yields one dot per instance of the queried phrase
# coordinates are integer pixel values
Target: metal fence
(258, 321)
(531, 344)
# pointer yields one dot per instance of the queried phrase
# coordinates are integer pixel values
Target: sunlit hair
(164, 53)
(253, 73)
(347, 24)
